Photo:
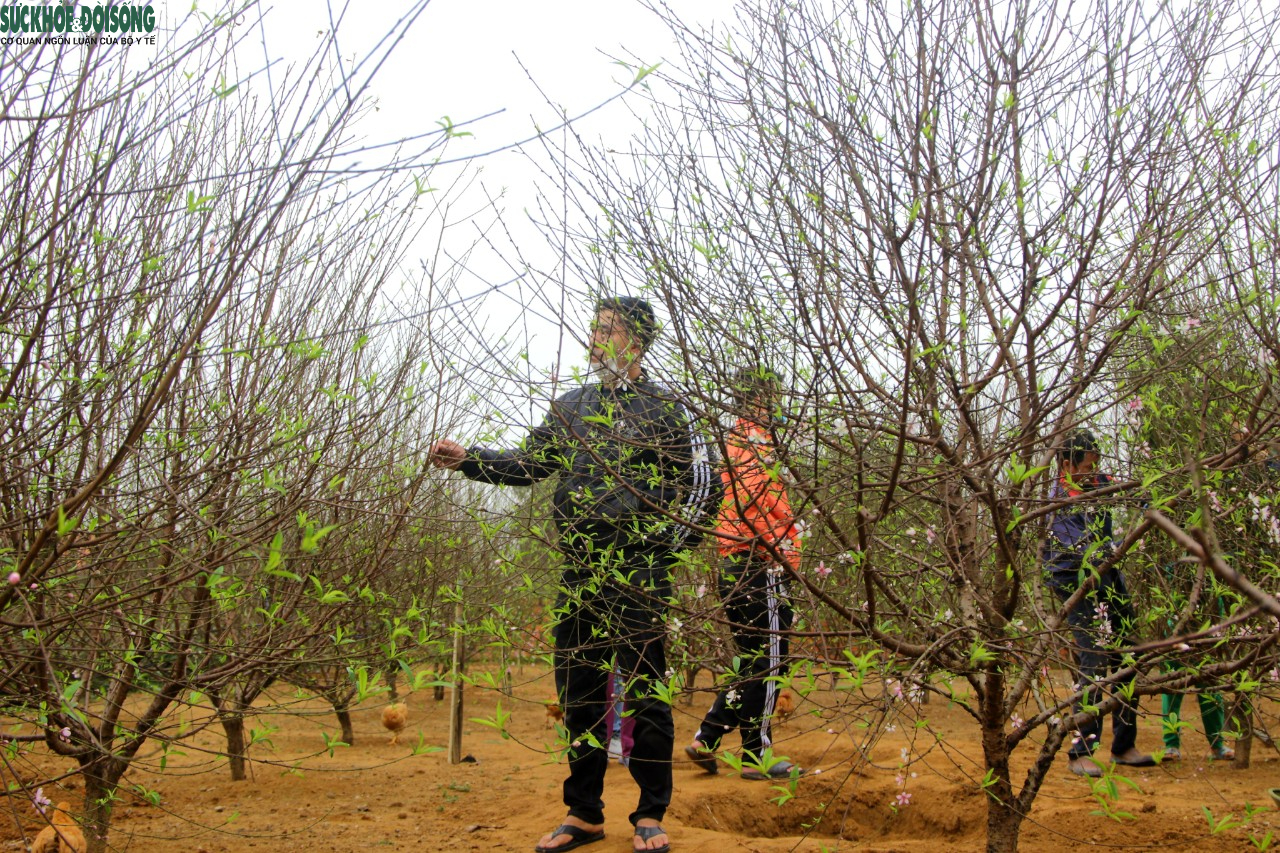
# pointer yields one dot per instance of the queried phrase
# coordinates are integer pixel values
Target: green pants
(1212, 713)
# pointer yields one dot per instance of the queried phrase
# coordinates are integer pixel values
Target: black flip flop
(577, 838)
(705, 760)
(779, 770)
(647, 832)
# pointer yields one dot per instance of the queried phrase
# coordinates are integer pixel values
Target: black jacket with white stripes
(633, 469)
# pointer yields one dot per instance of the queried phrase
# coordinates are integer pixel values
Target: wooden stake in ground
(455, 702)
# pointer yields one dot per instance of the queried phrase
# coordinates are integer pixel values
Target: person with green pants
(1213, 711)
(1213, 707)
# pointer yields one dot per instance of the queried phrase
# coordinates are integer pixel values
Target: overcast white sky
(469, 58)
(463, 57)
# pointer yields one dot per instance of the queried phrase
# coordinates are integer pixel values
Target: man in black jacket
(632, 472)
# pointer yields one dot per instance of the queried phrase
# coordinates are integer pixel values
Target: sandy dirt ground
(376, 796)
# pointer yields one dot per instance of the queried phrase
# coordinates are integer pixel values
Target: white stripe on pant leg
(772, 606)
(702, 481)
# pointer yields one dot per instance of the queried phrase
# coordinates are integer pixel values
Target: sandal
(1083, 765)
(1171, 753)
(644, 833)
(779, 770)
(577, 838)
(1133, 758)
(706, 759)
(1223, 753)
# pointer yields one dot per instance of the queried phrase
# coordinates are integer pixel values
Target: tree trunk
(441, 670)
(1003, 827)
(455, 705)
(392, 675)
(344, 720)
(1244, 746)
(1003, 818)
(100, 779)
(233, 726)
(690, 680)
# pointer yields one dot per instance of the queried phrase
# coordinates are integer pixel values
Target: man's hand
(447, 454)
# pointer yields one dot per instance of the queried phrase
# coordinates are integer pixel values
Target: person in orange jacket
(758, 541)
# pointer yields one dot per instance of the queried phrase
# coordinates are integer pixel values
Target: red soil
(373, 796)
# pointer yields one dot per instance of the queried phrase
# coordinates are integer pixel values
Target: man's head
(1078, 454)
(622, 330)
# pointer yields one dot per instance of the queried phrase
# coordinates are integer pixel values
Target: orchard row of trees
(957, 229)
(211, 411)
(961, 230)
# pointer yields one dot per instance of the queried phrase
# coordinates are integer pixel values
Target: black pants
(755, 602)
(614, 612)
(1100, 623)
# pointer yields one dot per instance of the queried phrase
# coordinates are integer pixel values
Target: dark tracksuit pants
(756, 605)
(1096, 638)
(611, 613)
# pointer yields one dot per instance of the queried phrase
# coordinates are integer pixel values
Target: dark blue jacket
(627, 459)
(1074, 529)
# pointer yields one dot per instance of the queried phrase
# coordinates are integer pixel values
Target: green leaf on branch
(311, 537)
(275, 559)
(331, 744)
(450, 129)
(65, 524)
(644, 71)
(222, 89)
(498, 721)
(1019, 473)
(980, 654)
(198, 204)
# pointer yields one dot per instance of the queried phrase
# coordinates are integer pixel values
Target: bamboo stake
(455, 701)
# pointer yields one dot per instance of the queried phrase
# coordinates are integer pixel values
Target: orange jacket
(755, 509)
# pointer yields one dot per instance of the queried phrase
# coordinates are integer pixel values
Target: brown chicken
(785, 707)
(394, 719)
(555, 714)
(61, 836)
